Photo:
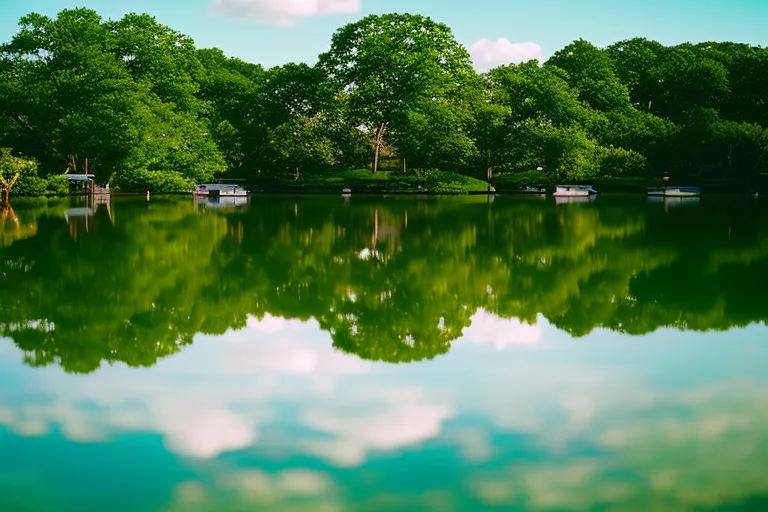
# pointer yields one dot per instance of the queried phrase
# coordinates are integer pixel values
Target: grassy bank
(363, 181)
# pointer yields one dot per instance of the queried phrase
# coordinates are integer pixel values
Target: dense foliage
(150, 111)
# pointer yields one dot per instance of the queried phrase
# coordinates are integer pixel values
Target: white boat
(675, 191)
(220, 190)
(574, 191)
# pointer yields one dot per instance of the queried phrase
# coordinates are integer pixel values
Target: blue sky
(273, 32)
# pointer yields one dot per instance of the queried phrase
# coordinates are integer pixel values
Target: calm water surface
(384, 354)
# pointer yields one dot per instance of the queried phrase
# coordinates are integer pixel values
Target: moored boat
(574, 191)
(220, 190)
(532, 189)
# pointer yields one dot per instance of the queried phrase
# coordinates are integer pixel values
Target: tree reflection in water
(391, 279)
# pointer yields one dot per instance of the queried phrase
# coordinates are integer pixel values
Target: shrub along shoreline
(361, 181)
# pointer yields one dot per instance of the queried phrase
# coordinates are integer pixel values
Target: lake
(384, 353)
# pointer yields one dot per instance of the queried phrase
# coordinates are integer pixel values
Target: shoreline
(321, 192)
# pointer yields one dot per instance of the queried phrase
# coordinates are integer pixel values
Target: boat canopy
(217, 186)
(80, 177)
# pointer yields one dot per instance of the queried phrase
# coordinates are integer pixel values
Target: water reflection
(283, 319)
(226, 202)
(271, 417)
(394, 280)
(673, 201)
(574, 199)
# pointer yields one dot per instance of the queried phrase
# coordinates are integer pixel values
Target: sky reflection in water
(272, 416)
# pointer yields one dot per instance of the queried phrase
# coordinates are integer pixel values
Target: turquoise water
(377, 354)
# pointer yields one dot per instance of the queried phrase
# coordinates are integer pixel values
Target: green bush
(141, 180)
(444, 182)
(516, 180)
(621, 162)
(35, 186)
(30, 186)
(428, 178)
(56, 185)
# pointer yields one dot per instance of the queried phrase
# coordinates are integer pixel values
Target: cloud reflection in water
(273, 416)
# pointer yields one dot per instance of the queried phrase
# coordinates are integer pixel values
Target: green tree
(232, 90)
(303, 143)
(159, 56)
(591, 73)
(388, 64)
(670, 81)
(12, 171)
(73, 95)
(300, 119)
(638, 64)
(547, 126)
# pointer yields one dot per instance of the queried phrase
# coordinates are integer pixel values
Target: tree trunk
(377, 148)
(6, 187)
(405, 167)
(490, 174)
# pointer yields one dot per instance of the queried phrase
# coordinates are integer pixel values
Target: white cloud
(489, 329)
(282, 12)
(285, 353)
(207, 434)
(488, 54)
(395, 425)
(268, 325)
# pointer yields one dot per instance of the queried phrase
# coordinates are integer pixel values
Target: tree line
(147, 110)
